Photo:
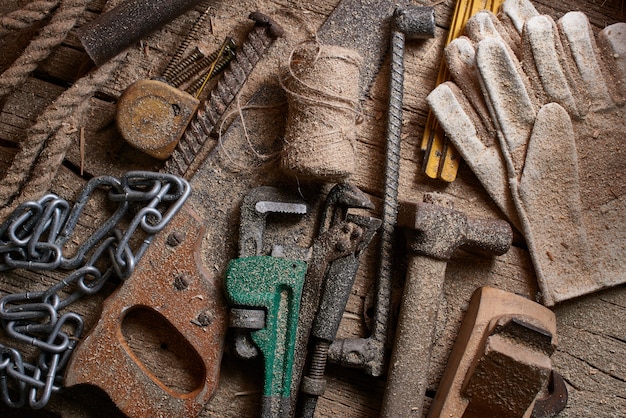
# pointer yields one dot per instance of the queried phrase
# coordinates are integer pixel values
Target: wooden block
(500, 360)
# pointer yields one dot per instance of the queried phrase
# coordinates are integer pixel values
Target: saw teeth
(280, 207)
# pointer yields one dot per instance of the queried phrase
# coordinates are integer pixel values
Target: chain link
(34, 237)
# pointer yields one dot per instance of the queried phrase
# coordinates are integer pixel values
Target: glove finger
(549, 205)
(515, 13)
(543, 61)
(580, 45)
(509, 101)
(485, 24)
(461, 60)
(612, 43)
(463, 127)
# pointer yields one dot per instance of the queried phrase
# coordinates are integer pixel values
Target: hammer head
(437, 231)
(414, 22)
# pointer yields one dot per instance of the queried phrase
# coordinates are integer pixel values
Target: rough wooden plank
(20, 110)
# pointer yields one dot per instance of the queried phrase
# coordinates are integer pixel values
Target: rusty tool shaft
(408, 23)
(115, 30)
(258, 41)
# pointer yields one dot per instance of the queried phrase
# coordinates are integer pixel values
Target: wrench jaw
(340, 199)
(257, 204)
(337, 285)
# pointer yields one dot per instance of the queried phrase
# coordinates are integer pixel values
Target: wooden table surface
(591, 353)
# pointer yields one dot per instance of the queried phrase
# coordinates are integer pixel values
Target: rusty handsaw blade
(441, 159)
(363, 26)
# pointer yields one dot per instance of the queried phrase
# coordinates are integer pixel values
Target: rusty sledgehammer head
(437, 231)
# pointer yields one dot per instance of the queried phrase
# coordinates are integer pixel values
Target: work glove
(537, 111)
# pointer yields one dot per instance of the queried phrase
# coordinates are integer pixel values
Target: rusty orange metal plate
(171, 286)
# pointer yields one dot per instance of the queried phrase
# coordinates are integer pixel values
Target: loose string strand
(266, 159)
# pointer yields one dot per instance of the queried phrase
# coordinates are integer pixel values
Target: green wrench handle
(273, 285)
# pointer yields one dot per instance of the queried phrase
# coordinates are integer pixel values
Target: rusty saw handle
(173, 287)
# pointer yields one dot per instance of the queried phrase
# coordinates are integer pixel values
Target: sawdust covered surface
(591, 350)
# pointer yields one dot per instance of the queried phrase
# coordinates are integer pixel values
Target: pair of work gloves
(537, 111)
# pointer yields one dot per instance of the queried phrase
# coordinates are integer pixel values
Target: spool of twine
(322, 86)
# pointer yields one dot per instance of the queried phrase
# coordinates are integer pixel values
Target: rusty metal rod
(186, 158)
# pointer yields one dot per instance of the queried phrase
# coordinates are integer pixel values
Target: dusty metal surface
(419, 23)
(122, 26)
(273, 285)
(338, 284)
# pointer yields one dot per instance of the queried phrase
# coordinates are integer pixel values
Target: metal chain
(33, 238)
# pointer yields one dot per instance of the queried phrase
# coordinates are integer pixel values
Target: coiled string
(321, 83)
(44, 147)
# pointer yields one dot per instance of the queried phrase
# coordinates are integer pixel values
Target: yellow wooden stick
(441, 159)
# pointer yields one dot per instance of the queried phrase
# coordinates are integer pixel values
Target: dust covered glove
(537, 111)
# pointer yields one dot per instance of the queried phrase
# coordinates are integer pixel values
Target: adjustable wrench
(264, 294)
(271, 296)
(336, 288)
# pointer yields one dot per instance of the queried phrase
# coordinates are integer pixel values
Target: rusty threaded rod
(258, 41)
